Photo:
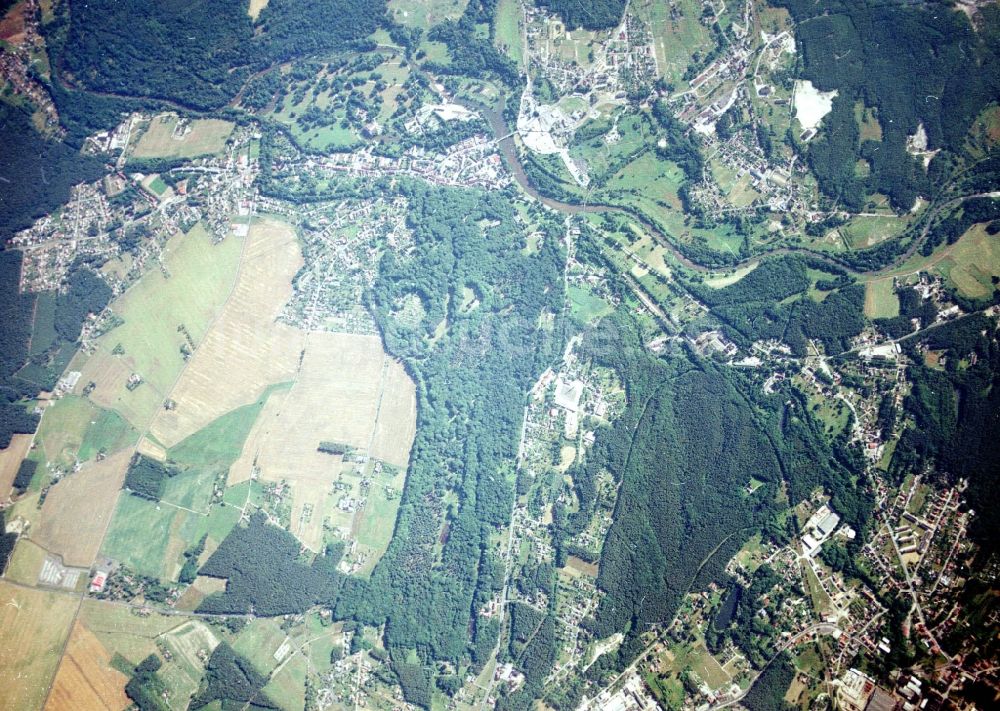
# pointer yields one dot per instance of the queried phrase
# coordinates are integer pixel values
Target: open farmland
(34, 626)
(86, 679)
(347, 391)
(185, 294)
(972, 262)
(10, 461)
(123, 632)
(246, 350)
(77, 510)
(196, 138)
(62, 429)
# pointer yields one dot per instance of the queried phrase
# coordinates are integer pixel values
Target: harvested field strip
(167, 310)
(78, 508)
(246, 350)
(86, 679)
(34, 626)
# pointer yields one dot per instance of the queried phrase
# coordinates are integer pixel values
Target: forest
(37, 173)
(232, 680)
(471, 381)
(264, 575)
(759, 306)
(916, 65)
(198, 55)
(590, 15)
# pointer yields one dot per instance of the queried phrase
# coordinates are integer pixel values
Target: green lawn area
(972, 263)
(724, 279)
(865, 231)
(258, 642)
(220, 442)
(185, 295)
(675, 37)
(880, 299)
(108, 433)
(63, 429)
(585, 305)
(425, 13)
(377, 523)
(508, 32)
(287, 688)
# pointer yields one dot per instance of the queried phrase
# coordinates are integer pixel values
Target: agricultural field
(62, 429)
(347, 391)
(25, 562)
(10, 461)
(166, 310)
(188, 644)
(77, 510)
(508, 29)
(677, 35)
(971, 263)
(245, 351)
(197, 137)
(86, 679)
(123, 632)
(867, 231)
(34, 626)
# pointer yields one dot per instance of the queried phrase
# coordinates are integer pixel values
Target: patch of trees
(913, 64)
(264, 575)
(7, 542)
(768, 691)
(414, 680)
(37, 173)
(682, 147)
(588, 14)
(86, 293)
(146, 478)
(971, 212)
(231, 679)
(911, 306)
(145, 688)
(748, 630)
(25, 473)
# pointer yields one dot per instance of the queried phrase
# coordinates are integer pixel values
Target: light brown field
(207, 136)
(10, 461)
(151, 449)
(86, 680)
(245, 350)
(78, 508)
(347, 391)
(33, 628)
(255, 7)
(25, 563)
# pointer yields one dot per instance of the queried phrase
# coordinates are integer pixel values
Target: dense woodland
(265, 575)
(956, 414)
(760, 306)
(915, 65)
(588, 14)
(198, 55)
(470, 387)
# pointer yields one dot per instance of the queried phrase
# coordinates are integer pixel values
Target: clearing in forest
(165, 313)
(34, 626)
(169, 136)
(77, 510)
(86, 679)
